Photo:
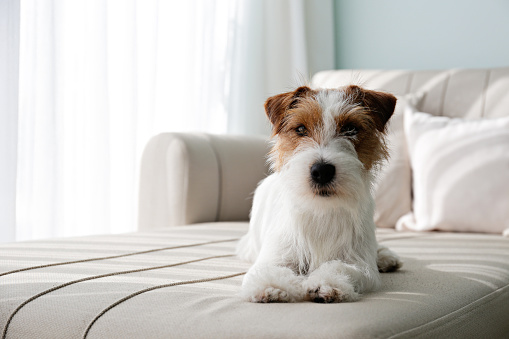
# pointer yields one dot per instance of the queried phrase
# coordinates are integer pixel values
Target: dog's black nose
(322, 173)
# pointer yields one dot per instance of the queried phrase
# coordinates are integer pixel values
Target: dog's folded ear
(276, 106)
(381, 105)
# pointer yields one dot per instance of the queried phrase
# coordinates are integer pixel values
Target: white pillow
(460, 173)
(393, 187)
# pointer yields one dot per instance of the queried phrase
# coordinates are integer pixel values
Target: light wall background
(421, 34)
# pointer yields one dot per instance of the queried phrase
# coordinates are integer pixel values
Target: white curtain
(9, 60)
(98, 78)
(278, 45)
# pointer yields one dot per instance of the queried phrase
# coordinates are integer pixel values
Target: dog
(311, 234)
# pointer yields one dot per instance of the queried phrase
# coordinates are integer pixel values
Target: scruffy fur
(312, 238)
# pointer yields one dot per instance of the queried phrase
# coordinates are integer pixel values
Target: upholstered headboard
(470, 93)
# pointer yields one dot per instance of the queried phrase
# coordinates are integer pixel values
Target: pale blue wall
(421, 34)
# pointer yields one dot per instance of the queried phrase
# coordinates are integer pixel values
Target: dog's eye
(349, 130)
(301, 131)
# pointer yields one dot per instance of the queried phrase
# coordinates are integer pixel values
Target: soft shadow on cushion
(460, 173)
(393, 184)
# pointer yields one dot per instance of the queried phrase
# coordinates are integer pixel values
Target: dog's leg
(386, 260)
(266, 283)
(336, 281)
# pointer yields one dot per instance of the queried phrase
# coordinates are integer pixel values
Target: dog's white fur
(311, 247)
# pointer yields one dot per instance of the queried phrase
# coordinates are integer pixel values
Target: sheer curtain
(9, 60)
(277, 45)
(98, 78)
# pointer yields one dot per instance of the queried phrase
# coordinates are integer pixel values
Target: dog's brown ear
(380, 104)
(277, 105)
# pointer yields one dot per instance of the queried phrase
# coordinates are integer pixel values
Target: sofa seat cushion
(183, 282)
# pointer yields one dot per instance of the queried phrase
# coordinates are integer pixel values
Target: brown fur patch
(372, 121)
(369, 114)
(277, 106)
(287, 112)
(380, 105)
(306, 113)
(369, 142)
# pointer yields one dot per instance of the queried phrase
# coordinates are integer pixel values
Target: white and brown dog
(312, 235)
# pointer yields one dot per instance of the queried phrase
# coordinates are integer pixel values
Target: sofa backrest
(192, 178)
(470, 93)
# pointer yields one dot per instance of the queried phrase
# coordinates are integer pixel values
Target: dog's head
(327, 140)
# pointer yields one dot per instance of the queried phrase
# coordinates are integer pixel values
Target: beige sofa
(177, 276)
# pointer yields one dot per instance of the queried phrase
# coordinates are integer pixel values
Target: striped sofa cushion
(183, 282)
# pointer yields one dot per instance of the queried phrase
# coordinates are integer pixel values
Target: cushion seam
(485, 93)
(409, 82)
(184, 188)
(219, 178)
(487, 297)
(444, 92)
(132, 295)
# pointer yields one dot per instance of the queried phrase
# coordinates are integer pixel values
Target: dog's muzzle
(322, 173)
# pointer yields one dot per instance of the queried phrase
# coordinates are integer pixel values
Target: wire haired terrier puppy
(312, 235)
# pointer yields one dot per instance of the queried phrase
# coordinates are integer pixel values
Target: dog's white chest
(302, 237)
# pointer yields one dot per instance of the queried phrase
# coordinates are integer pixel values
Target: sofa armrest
(190, 178)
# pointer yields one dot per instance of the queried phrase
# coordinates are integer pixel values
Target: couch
(177, 276)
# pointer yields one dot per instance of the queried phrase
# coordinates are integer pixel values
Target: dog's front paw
(387, 261)
(270, 295)
(328, 294)
(269, 284)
